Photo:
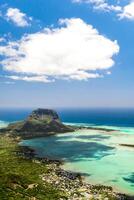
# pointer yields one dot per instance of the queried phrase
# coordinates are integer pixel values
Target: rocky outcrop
(43, 115)
(40, 123)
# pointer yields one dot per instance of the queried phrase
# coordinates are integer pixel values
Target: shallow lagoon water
(97, 154)
(3, 124)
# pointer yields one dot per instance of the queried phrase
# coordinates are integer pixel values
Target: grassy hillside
(20, 178)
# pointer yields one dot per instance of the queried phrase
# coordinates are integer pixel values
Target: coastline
(75, 180)
(72, 183)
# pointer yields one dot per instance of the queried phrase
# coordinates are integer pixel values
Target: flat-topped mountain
(44, 114)
(40, 123)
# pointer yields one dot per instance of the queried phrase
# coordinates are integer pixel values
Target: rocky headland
(40, 123)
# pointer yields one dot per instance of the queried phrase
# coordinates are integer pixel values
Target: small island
(25, 176)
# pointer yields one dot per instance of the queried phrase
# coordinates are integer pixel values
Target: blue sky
(64, 53)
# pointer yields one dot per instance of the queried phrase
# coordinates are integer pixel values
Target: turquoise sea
(97, 154)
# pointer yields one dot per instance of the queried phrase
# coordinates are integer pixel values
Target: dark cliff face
(44, 114)
(41, 122)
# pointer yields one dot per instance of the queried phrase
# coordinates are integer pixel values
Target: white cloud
(75, 50)
(122, 11)
(17, 17)
(84, 76)
(128, 12)
(109, 73)
(101, 5)
(29, 78)
(2, 39)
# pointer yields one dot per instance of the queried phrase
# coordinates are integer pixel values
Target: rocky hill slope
(40, 123)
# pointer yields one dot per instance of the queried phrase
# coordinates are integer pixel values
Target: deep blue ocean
(106, 117)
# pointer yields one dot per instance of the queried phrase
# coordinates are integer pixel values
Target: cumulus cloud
(128, 11)
(74, 50)
(101, 5)
(17, 17)
(122, 11)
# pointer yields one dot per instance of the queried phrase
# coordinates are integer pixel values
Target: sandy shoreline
(71, 182)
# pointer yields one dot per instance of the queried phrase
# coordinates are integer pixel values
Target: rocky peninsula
(40, 123)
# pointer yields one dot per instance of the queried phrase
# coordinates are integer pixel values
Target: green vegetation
(40, 123)
(20, 178)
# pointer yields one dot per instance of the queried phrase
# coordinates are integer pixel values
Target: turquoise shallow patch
(97, 154)
(3, 124)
